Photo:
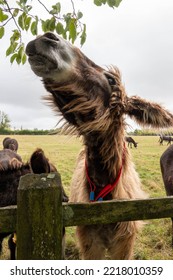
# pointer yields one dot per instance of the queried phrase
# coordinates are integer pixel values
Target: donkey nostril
(30, 48)
(51, 36)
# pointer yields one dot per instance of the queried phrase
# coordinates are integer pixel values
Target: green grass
(154, 241)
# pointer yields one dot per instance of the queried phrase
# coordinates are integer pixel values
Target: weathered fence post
(39, 217)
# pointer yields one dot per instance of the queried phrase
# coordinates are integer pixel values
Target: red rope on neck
(108, 188)
(92, 185)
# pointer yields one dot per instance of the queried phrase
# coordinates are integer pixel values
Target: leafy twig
(12, 17)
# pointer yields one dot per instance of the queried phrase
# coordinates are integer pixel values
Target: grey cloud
(137, 37)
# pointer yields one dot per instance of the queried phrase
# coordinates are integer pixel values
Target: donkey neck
(104, 156)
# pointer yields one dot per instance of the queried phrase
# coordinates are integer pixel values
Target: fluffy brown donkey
(11, 169)
(94, 101)
(166, 165)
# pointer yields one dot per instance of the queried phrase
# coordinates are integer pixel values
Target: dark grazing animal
(165, 138)
(131, 141)
(166, 165)
(10, 143)
(94, 102)
(11, 169)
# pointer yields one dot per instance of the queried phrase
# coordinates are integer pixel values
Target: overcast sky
(137, 37)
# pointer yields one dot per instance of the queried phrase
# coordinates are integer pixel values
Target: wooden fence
(40, 216)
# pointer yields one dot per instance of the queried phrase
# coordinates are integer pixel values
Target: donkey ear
(148, 113)
(39, 163)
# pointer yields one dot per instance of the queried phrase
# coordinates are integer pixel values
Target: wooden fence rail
(40, 216)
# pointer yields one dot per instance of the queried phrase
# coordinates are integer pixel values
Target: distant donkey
(166, 165)
(11, 169)
(131, 141)
(165, 138)
(94, 102)
(10, 143)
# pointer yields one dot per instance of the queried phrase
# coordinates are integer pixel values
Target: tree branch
(44, 6)
(12, 17)
(6, 22)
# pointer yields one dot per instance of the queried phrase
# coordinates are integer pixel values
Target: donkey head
(10, 143)
(88, 96)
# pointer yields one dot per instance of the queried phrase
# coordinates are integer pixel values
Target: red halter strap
(108, 188)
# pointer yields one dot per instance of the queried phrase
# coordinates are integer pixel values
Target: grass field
(154, 241)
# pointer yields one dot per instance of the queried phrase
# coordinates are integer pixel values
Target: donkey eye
(111, 80)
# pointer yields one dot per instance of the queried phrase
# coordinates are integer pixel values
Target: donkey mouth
(50, 55)
(40, 63)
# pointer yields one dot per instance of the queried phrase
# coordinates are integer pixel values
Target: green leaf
(18, 59)
(111, 3)
(56, 9)
(43, 25)
(98, 2)
(51, 24)
(64, 35)
(27, 8)
(14, 46)
(23, 1)
(2, 30)
(13, 57)
(59, 28)
(19, 4)
(3, 16)
(22, 4)
(21, 56)
(48, 25)
(79, 15)
(27, 23)
(67, 19)
(34, 28)
(15, 12)
(53, 12)
(83, 36)
(21, 20)
(117, 2)
(24, 57)
(21, 50)
(16, 35)
(9, 50)
(72, 30)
